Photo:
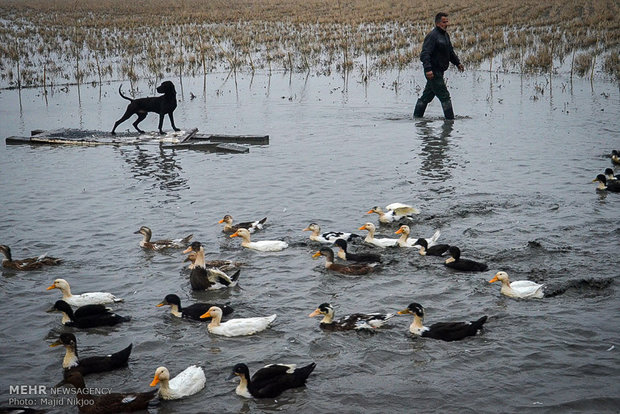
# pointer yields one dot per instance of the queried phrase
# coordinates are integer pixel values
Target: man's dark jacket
(437, 52)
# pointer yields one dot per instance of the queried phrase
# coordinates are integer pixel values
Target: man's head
(441, 21)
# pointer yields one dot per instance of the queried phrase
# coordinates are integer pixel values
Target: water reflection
(436, 162)
(158, 167)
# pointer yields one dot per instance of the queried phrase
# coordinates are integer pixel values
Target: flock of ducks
(273, 379)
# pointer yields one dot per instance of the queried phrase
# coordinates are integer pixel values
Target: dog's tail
(123, 96)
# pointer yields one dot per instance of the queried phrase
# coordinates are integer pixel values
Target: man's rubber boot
(420, 107)
(448, 113)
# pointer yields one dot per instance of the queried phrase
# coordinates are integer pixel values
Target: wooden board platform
(173, 140)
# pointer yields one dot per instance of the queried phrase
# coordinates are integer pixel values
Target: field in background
(45, 43)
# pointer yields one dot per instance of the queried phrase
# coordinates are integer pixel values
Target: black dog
(162, 105)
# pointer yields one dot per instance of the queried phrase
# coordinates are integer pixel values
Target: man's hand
(461, 67)
(430, 75)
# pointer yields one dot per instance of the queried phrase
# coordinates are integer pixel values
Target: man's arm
(425, 55)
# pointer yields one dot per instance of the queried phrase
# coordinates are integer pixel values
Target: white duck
(236, 327)
(522, 289)
(263, 245)
(91, 298)
(394, 212)
(405, 241)
(188, 382)
(327, 237)
(370, 238)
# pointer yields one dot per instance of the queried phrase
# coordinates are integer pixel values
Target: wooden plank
(189, 135)
(237, 139)
(210, 147)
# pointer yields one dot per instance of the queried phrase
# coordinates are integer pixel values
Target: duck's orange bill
(155, 381)
(399, 231)
(317, 254)
(369, 212)
(205, 315)
(495, 279)
(307, 229)
(234, 234)
(315, 313)
(403, 312)
(160, 305)
(221, 221)
(51, 287)
(363, 227)
(189, 249)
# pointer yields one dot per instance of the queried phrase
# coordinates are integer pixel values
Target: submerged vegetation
(47, 42)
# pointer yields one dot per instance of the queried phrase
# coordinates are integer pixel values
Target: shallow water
(508, 181)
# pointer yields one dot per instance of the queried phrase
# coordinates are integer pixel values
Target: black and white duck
(605, 184)
(434, 250)
(270, 381)
(251, 226)
(88, 316)
(32, 263)
(109, 403)
(193, 311)
(90, 365)
(467, 265)
(345, 254)
(329, 236)
(355, 321)
(208, 278)
(446, 331)
(348, 269)
(146, 242)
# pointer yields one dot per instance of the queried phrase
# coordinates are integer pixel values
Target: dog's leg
(172, 122)
(125, 117)
(161, 124)
(141, 117)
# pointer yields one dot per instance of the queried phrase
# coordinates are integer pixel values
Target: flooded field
(508, 181)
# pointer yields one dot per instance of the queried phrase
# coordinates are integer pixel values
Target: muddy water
(508, 181)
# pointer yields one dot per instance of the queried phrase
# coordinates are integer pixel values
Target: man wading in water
(436, 55)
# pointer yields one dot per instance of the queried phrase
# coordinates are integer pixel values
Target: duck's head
(243, 233)
(501, 277)
(368, 226)
(325, 251)
(61, 284)
(341, 243)
(601, 179)
(171, 299)
(609, 173)
(213, 312)
(376, 210)
(61, 306)
(421, 242)
(6, 251)
(404, 229)
(194, 247)
(145, 231)
(455, 254)
(161, 374)
(240, 370)
(312, 227)
(66, 339)
(413, 309)
(323, 309)
(227, 219)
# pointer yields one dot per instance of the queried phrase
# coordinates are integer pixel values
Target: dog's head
(166, 88)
